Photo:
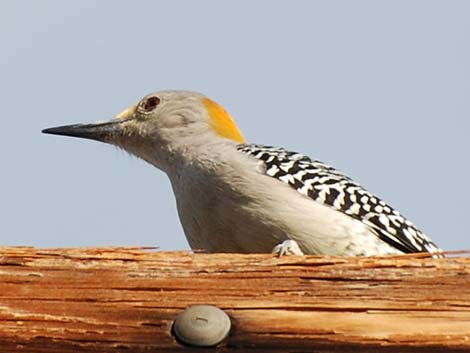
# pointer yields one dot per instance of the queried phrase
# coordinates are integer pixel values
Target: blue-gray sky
(379, 89)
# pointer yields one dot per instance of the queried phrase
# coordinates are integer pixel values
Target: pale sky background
(379, 89)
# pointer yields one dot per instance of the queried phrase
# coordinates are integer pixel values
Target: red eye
(151, 103)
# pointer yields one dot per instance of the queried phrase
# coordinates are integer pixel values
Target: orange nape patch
(222, 122)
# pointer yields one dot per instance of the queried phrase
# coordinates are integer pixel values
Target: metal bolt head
(202, 326)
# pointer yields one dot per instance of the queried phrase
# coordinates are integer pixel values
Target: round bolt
(202, 326)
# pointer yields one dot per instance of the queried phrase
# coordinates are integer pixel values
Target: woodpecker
(234, 196)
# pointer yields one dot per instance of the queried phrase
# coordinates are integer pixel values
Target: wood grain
(125, 300)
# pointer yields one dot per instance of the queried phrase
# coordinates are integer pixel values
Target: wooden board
(125, 299)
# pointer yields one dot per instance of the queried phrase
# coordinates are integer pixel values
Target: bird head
(166, 120)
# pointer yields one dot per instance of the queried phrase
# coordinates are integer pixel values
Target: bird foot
(287, 247)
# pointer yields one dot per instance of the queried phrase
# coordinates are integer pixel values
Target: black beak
(99, 131)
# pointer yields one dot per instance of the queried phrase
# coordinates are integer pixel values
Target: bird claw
(287, 247)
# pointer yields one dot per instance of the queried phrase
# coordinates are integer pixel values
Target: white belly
(254, 212)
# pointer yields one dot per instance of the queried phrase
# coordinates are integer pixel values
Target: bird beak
(103, 131)
(99, 131)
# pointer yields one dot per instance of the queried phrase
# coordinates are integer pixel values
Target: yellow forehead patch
(126, 113)
(222, 122)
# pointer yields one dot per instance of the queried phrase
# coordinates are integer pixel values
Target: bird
(238, 197)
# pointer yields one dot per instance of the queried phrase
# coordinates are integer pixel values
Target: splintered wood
(125, 300)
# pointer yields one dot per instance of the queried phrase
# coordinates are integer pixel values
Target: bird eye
(151, 103)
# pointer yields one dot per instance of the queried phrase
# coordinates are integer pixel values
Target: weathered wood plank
(125, 299)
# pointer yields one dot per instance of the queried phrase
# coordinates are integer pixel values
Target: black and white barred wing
(325, 184)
